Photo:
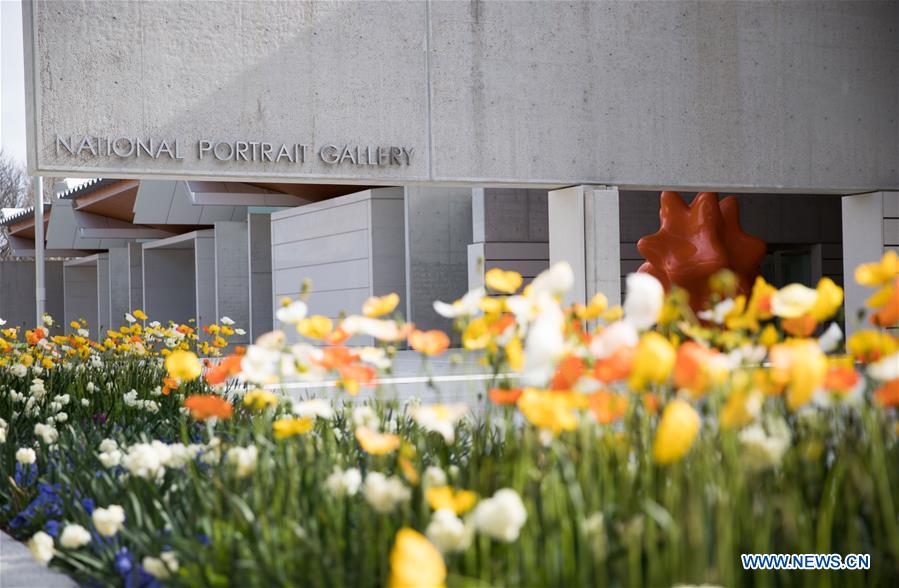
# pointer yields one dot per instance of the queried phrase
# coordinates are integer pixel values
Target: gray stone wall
(17, 296)
(438, 232)
(797, 96)
(259, 236)
(232, 275)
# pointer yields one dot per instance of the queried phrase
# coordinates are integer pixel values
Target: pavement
(19, 570)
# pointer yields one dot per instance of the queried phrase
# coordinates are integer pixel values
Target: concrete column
(204, 273)
(583, 230)
(119, 285)
(80, 295)
(259, 254)
(438, 224)
(104, 319)
(232, 275)
(870, 227)
(136, 276)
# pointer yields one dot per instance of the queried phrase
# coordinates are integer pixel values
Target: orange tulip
(429, 343)
(206, 406)
(888, 314)
(351, 376)
(229, 366)
(697, 368)
(337, 357)
(607, 407)
(570, 370)
(502, 396)
(888, 394)
(615, 367)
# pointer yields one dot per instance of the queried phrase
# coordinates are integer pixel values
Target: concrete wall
(232, 276)
(349, 248)
(80, 286)
(119, 284)
(168, 279)
(438, 230)
(734, 95)
(259, 252)
(104, 293)
(205, 279)
(17, 292)
(510, 230)
(136, 277)
(870, 228)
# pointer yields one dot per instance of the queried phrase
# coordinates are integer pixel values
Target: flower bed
(636, 445)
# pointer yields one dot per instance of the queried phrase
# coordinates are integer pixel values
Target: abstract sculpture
(697, 240)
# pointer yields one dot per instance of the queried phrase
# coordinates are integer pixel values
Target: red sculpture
(697, 240)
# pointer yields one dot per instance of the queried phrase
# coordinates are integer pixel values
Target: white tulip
(26, 456)
(384, 494)
(615, 336)
(644, 300)
(41, 546)
(501, 516)
(293, 312)
(74, 536)
(447, 532)
(109, 521)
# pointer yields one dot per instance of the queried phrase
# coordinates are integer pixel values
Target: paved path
(19, 570)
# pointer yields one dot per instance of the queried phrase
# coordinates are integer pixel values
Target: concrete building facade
(373, 147)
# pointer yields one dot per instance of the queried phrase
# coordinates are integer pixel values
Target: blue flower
(88, 505)
(51, 527)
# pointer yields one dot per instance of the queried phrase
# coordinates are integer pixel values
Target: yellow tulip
(869, 345)
(769, 336)
(491, 305)
(315, 327)
(829, 301)
(549, 410)
(139, 315)
(757, 308)
(653, 361)
(379, 306)
(502, 281)
(415, 563)
(260, 399)
(183, 366)
(677, 430)
(476, 334)
(878, 273)
(802, 366)
(515, 354)
(594, 309)
(376, 443)
(793, 301)
(445, 497)
(289, 427)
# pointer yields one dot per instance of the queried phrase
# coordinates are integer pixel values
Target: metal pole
(40, 293)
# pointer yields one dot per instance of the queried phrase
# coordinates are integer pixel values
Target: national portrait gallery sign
(176, 149)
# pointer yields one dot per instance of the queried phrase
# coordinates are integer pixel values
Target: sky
(12, 80)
